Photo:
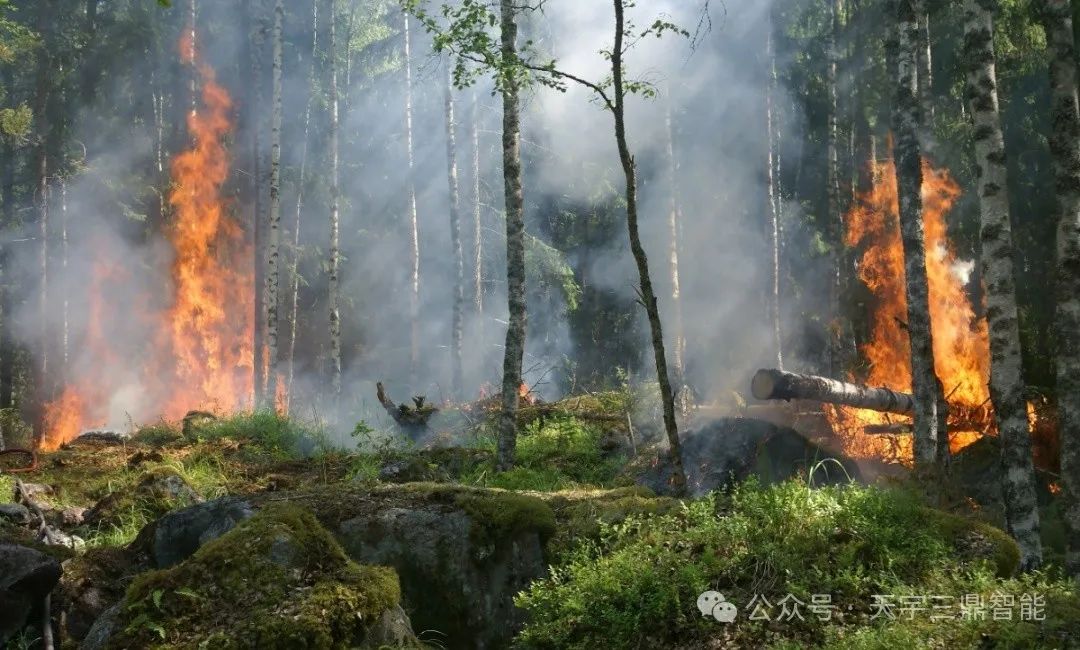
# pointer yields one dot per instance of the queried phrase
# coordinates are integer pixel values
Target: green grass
(557, 453)
(269, 431)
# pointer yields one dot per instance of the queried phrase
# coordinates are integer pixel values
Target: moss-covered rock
(462, 553)
(278, 580)
(975, 540)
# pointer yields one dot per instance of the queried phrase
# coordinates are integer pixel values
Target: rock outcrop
(26, 577)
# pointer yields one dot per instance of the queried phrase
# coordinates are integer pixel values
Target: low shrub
(638, 585)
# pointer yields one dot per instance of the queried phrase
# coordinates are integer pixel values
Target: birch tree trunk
(456, 248)
(333, 298)
(925, 63)
(1006, 374)
(773, 207)
(514, 349)
(648, 296)
(842, 343)
(1065, 148)
(41, 200)
(929, 430)
(64, 302)
(414, 224)
(478, 227)
(258, 227)
(294, 275)
(674, 245)
(273, 241)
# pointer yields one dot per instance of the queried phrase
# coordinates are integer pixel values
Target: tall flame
(201, 356)
(211, 320)
(961, 341)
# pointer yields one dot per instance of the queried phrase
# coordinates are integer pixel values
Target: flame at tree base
(961, 340)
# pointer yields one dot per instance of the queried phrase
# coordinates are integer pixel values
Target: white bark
(335, 199)
(273, 240)
(414, 224)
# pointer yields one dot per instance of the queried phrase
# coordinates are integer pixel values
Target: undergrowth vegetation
(558, 452)
(638, 585)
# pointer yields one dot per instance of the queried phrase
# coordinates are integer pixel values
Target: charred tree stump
(777, 384)
(412, 419)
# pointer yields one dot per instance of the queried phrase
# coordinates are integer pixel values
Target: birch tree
(1006, 376)
(456, 250)
(273, 240)
(929, 402)
(674, 228)
(773, 199)
(1065, 150)
(478, 228)
(257, 40)
(334, 253)
(414, 225)
(294, 275)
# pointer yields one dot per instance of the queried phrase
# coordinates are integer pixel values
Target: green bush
(638, 586)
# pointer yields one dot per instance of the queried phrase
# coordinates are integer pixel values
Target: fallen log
(777, 384)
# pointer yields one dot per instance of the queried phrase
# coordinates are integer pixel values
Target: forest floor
(251, 531)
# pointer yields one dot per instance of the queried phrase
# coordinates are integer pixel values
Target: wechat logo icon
(712, 603)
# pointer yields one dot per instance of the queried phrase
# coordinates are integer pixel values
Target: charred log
(777, 384)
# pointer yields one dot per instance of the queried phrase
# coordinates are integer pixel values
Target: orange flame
(202, 355)
(961, 341)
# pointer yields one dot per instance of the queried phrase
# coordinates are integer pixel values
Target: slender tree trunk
(273, 242)
(457, 251)
(773, 206)
(925, 61)
(842, 344)
(862, 165)
(414, 224)
(1006, 375)
(335, 199)
(478, 227)
(193, 73)
(294, 274)
(64, 312)
(648, 296)
(7, 213)
(925, 385)
(514, 350)
(1065, 148)
(258, 225)
(42, 387)
(674, 245)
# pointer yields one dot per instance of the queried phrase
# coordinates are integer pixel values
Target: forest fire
(200, 355)
(961, 342)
